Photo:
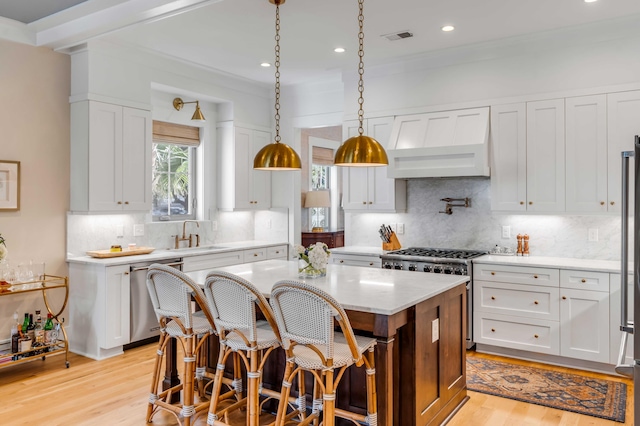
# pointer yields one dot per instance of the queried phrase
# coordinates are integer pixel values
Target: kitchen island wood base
(420, 375)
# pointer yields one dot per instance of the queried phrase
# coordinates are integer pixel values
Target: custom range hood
(440, 144)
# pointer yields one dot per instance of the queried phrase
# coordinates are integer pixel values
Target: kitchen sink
(201, 248)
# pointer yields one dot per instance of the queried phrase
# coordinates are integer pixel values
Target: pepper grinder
(525, 250)
(519, 250)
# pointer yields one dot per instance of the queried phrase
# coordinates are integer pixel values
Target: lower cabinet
(368, 260)
(99, 309)
(566, 313)
(331, 238)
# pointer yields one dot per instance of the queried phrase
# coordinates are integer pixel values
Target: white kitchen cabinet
(370, 261)
(240, 187)
(110, 158)
(543, 310)
(545, 156)
(99, 309)
(509, 157)
(254, 255)
(528, 158)
(623, 110)
(586, 154)
(277, 252)
(212, 260)
(369, 188)
(615, 320)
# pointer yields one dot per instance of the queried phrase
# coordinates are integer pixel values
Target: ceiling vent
(398, 35)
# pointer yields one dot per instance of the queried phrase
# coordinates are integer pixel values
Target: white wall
(34, 83)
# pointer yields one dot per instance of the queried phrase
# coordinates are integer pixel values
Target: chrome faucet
(184, 235)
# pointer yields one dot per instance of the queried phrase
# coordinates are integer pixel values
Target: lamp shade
(317, 199)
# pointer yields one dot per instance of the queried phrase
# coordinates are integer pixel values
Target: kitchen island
(419, 321)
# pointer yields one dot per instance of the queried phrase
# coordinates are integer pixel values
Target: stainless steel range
(438, 261)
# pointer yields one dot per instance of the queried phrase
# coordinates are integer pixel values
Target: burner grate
(437, 253)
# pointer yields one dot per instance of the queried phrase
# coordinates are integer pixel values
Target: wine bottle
(48, 326)
(25, 323)
(37, 329)
(31, 328)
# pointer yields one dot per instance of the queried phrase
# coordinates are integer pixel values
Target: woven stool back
(171, 291)
(305, 315)
(232, 301)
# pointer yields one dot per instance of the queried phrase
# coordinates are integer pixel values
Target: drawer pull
(521, 202)
(612, 203)
(583, 280)
(255, 254)
(370, 263)
(342, 261)
(535, 302)
(602, 203)
(535, 276)
(493, 298)
(493, 273)
(530, 203)
(564, 297)
(364, 202)
(493, 330)
(535, 335)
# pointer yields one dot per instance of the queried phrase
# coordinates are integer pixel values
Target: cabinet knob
(493, 330)
(126, 273)
(493, 273)
(612, 203)
(277, 251)
(126, 202)
(535, 302)
(602, 203)
(370, 263)
(370, 202)
(535, 335)
(530, 202)
(342, 261)
(255, 254)
(521, 203)
(564, 297)
(364, 202)
(535, 276)
(583, 280)
(493, 298)
(119, 202)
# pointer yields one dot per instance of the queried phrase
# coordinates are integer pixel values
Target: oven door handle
(146, 268)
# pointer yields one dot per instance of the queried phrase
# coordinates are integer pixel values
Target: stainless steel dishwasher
(144, 323)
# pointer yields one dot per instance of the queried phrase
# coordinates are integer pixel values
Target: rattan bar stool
(305, 317)
(171, 293)
(232, 301)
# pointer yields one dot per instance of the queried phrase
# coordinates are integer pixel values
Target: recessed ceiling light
(265, 64)
(339, 49)
(590, 1)
(448, 28)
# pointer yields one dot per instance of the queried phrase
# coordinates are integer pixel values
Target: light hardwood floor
(115, 392)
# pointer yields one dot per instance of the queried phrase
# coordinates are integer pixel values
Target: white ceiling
(235, 36)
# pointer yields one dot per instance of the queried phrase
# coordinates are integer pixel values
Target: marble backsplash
(478, 228)
(98, 232)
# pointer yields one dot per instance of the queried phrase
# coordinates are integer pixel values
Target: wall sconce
(197, 115)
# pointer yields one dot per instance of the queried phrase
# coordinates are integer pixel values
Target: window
(320, 180)
(174, 163)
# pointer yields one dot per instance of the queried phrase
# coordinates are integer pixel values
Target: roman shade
(322, 156)
(177, 134)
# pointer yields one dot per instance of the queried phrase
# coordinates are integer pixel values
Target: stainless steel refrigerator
(626, 325)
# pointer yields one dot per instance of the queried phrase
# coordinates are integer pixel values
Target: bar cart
(60, 343)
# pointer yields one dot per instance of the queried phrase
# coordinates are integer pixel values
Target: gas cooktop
(415, 252)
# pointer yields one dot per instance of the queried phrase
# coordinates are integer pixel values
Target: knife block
(393, 244)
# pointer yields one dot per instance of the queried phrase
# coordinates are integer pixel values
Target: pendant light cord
(277, 64)
(361, 67)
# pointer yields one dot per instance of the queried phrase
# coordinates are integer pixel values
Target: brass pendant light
(277, 156)
(361, 151)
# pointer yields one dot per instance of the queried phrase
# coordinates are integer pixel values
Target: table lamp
(317, 199)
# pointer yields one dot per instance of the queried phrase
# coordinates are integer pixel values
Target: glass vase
(306, 270)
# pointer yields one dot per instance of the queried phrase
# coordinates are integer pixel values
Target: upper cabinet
(623, 123)
(528, 156)
(369, 188)
(110, 157)
(586, 133)
(240, 187)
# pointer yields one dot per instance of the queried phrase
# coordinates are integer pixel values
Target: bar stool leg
(188, 408)
(329, 399)
(372, 394)
(157, 370)
(217, 386)
(253, 400)
(284, 394)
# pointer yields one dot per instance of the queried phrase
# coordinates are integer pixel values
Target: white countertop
(380, 291)
(162, 254)
(359, 250)
(611, 266)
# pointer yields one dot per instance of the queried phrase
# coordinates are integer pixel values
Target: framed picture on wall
(9, 185)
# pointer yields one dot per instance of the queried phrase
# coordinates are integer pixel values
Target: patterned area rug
(570, 392)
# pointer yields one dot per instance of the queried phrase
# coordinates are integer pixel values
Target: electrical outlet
(400, 228)
(435, 330)
(267, 224)
(394, 227)
(593, 234)
(119, 230)
(506, 232)
(138, 230)
(214, 225)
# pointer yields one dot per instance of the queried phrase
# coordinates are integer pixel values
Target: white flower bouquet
(312, 261)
